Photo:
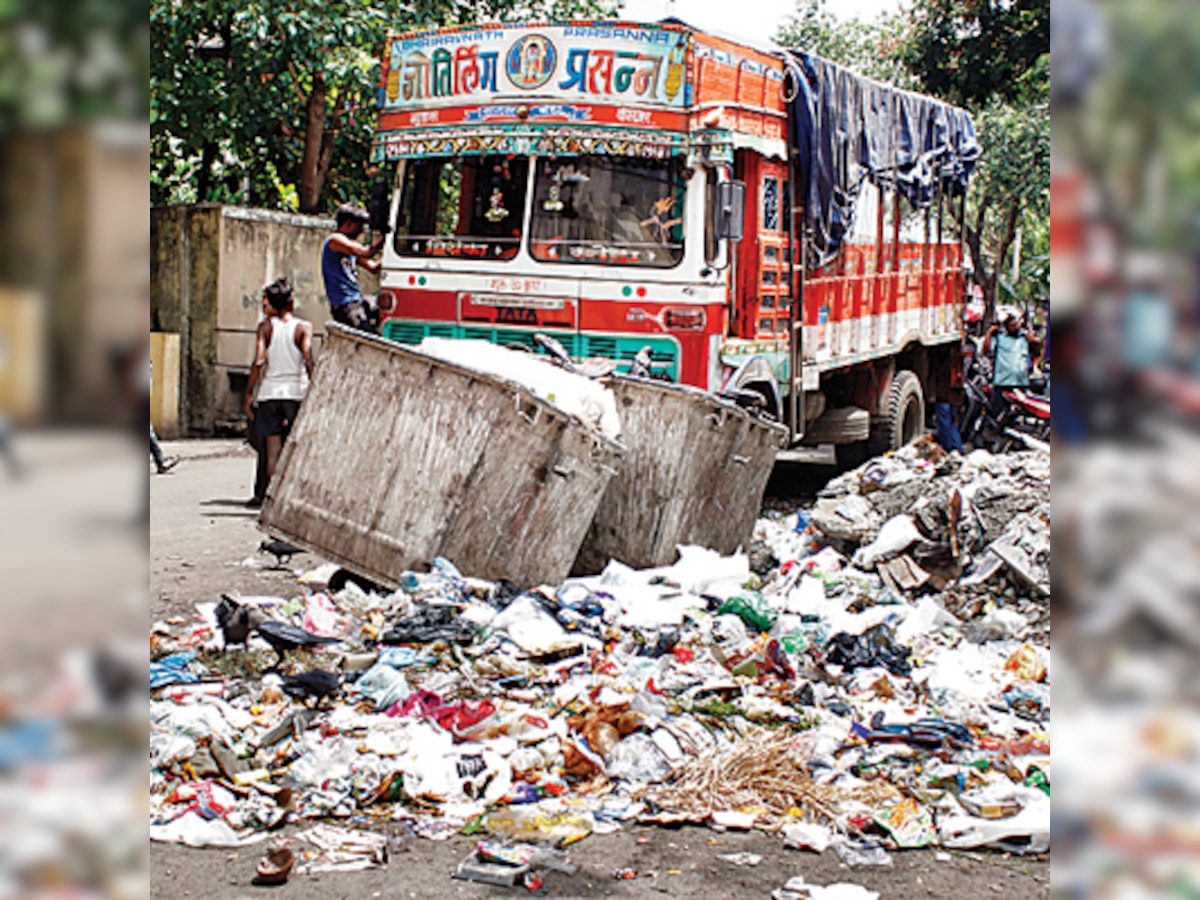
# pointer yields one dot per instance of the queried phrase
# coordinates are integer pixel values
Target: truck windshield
(608, 210)
(468, 206)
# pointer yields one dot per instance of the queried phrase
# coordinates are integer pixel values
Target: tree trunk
(311, 178)
(204, 179)
(1010, 233)
(325, 162)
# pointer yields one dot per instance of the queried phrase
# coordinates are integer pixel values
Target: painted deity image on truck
(623, 186)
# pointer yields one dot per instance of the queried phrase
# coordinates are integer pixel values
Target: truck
(749, 220)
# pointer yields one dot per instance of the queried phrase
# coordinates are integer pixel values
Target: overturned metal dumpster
(397, 458)
(695, 473)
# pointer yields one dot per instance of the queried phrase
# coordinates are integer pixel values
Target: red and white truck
(621, 186)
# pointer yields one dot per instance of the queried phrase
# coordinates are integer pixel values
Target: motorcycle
(1025, 414)
(1005, 426)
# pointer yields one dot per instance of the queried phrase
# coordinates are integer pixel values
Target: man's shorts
(354, 314)
(275, 417)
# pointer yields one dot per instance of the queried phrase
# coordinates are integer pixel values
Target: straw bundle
(768, 770)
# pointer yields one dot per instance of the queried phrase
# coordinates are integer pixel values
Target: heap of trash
(871, 675)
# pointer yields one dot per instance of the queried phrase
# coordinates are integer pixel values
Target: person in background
(283, 365)
(1013, 352)
(340, 257)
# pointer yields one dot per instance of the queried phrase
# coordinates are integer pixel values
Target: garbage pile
(879, 681)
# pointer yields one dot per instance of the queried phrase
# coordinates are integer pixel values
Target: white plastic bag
(897, 535)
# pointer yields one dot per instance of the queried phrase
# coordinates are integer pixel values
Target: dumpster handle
(741, 460)
(563, 472)
(537, 410)
(717, 419)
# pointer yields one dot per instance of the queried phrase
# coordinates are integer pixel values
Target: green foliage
(63, 60)
(1016, 142)
(976, 52)
(231, 79)
(1136, 134)
(873, 48)
(992, 56)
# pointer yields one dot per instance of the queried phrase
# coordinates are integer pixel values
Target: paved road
(201, 540)
(72, 547)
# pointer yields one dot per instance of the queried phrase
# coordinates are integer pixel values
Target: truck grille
(620, 349)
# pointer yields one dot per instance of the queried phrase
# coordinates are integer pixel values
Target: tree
(1135, 134)
(975, 52)
(61, 61)
(1011, 190)
(992, 56)
(869, 48)
(272, 101)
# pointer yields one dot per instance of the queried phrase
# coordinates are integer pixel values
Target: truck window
(467, 206)
(603, 210)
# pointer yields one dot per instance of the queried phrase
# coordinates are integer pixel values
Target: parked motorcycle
(1002, 427)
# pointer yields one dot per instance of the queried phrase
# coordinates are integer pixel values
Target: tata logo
(516, 316)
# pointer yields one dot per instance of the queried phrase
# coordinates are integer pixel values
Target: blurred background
(1125, 317)
(74, 377)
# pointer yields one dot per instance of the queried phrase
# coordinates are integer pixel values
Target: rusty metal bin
(397, 457)
(695, 473)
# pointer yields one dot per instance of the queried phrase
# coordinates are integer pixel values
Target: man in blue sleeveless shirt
(340, 257)
(1013, 352)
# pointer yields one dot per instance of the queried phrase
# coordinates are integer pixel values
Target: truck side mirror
(731, 209)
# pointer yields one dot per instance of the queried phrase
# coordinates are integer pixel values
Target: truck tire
(903, 416)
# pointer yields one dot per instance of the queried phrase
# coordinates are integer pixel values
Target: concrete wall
(76, 235)
(22, 355)
(164, 392)
(209, 264)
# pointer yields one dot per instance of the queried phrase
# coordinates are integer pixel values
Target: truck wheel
(903, 416)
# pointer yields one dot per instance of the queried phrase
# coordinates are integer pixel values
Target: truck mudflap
(397, 458)
(694, 473)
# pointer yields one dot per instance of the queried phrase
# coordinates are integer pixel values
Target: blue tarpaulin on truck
(847, 128)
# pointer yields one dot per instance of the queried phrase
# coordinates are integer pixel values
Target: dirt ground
(201, 537)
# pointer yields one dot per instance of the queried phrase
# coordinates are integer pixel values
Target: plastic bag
(322, 618)
(752, 608)
(897, 535)
(807, 835)
(637, 759)
(862, 853)
(807, 598)
(537, 822)
(874, 647)
(383, 685)
(1026, 832)
(908, 824)
(1026, 664)
(530, 627)
(173, 669)
(730, 630)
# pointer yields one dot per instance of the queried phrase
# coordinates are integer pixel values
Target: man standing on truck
(283, 364)
(1012, 351)
(340, 256)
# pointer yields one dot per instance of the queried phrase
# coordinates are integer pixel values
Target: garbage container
(396, 458)
(694, 473)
